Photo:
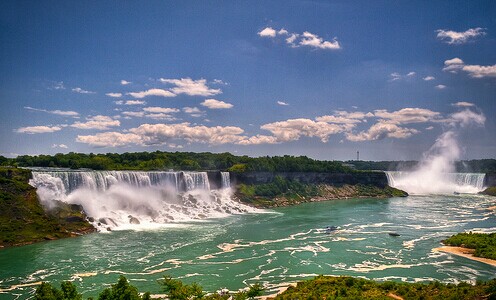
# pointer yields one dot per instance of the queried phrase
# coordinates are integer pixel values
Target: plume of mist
(435, 173)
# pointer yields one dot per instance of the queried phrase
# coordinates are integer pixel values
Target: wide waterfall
(131, 199)
(444, 183)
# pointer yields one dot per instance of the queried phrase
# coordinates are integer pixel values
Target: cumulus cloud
(161, 134)
(463, 104)
(282, 103)
(440, 86)
(97, 122)
(344, 117)
(110, 139)
(114, 95)
(456, 38)
(191, 87)
(38, 129)
(138, 114)
(125, 82)
(81, 91)
(130, 102)
(475, 71)
(56, 85)
(407, 115)
(152, 92)
(65, 113)
(429, 78)
(267, 32)
(313, 40)
(62, 146)
(294, 129)
(193, 111)
(216, 104)
(397, 76)
(380, 130)
(306, 39)
(165, 110)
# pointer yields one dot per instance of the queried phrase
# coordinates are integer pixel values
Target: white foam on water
(132, 200)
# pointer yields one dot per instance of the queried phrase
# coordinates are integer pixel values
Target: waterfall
(444, 183)
(226, 180)
(129, 199)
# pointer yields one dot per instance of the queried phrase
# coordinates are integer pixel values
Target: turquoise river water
(272, 247)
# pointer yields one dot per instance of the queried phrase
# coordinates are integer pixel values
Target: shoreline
(465, 252)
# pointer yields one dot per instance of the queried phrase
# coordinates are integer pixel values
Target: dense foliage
(464, 166)
(22, 218)
(325, 287)
(122, 290)
(177, 160)
(483, 243)
(321, 287)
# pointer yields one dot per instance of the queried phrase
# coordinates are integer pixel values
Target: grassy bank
(483, 244)
(23, 219)
(283, 192)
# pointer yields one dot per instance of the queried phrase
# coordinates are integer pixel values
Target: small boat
(330, 229)
(393, 234)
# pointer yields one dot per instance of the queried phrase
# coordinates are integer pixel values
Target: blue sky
(316, 78)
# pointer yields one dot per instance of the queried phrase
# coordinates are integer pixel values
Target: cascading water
(445, 183)
(226, 180)
(129, 199)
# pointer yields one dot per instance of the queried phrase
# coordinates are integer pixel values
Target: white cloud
(165, 110)
(216, 104)
(125, 82)
(475, 71)
(454, 37)
(130, 102)
(114, 95)
(38, 129)
(57, 85)
(193, 111)
(218, 81)
(62, 146)
(293, 129)
(282, 103)
(138, 114)
(258, 140)
(110, 139)
(344, 117)
(380, 130)
(407, 115)
(467, 117)
(440, 86)
(81, 91)
(429, 128)
(97, 122)
(313, 40)
(191, 87)
(65, 113)
(307, 39)
(267, 32)
(429, 78)
(397, 76)
(161, 116)
(463, 104)
(152, 92)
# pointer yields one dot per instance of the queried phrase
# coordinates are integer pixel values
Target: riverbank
(465, 252)
(315, 193)
(23, 219)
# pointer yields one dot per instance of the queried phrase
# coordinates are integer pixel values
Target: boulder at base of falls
(133, 220)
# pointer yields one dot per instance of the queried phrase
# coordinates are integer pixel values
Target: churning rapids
(132, 199)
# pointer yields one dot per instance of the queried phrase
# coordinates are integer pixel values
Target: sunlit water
(281, 245)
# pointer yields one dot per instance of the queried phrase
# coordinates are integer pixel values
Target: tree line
(159, 160)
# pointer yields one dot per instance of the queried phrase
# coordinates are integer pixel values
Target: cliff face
(23, 219)
(490, 179)
(378, 179)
